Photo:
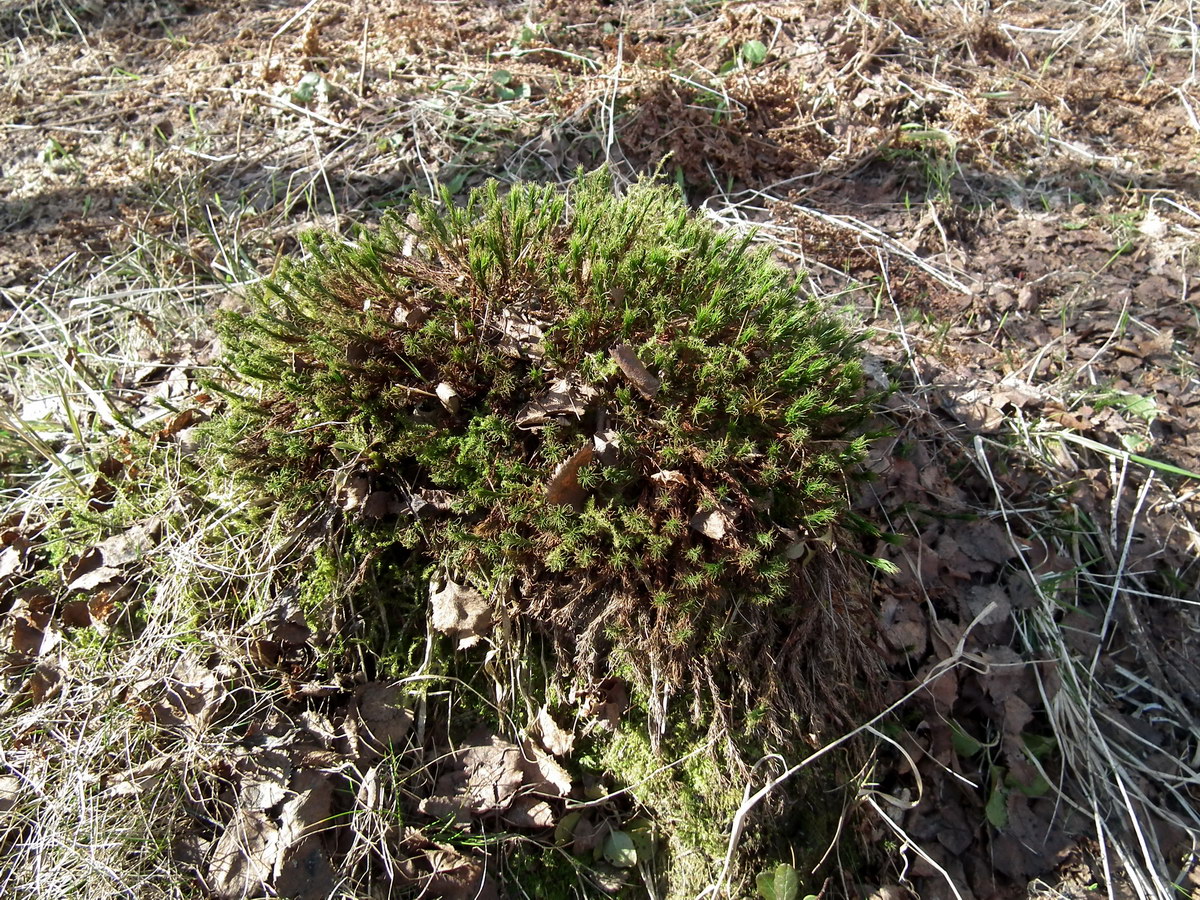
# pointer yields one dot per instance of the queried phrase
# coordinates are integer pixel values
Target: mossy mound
(600, 411)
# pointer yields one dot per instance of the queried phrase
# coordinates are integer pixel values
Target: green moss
(451, 382)
(691, 803)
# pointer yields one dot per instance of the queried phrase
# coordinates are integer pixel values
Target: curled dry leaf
(564, 488)
(461, 612)
(28, 621)
(192, 696)
(669, 476)
(355, 492)
(543, 777)
(522, 334)
(139, 780)
(10, 793)
(607, 444)
(565, 398)
(713, 523)
(555, 739)
(449, 397)
(632, 368)
(11, 562)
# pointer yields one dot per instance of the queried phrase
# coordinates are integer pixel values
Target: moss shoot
(624, 424)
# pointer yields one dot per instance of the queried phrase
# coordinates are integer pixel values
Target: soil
(1009, 201)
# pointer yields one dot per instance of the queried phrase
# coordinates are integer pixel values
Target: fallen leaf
(305, 814)
(669, 476)
(93, 579)
(529, 812)
(713, 523)
(244, 856)
(556, 740)
(619, 850)
(385, 718)
(457, 877)
(606, 444)
(564, 489)
(461, 612)
(639, 376)
(543, 776)
(11, 561)
(138, 780)
(355, 492)
(494, 774)
(10, 793)
(904, 626)
(522, 335)
(130, 545)
(305, 872)
(565, 398)
(193, 695)
(449, 397)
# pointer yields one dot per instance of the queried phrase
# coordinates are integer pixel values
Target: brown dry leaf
(606, 702)
(522, 335)
(606, 444)
(556, 740)
(386, 719)
(28, 621)
(193, 696)
(529, 812)
(981, 597)
(244, 856)
(355, 493)
(305, 872)
(566, 398)
(304, 815)
(494, 773)
(458, 877)
(102, 606)
(543, 776)
(10, 793)
(121, 549)
(449, 397)
(181, 422)
(639, 376)
(975, 408)
(461, 612)
(713, 523)
(44, 683)
(905, 626)
(564, 489)
(264, 779)
(140, 779)
(94, 579)
(11, 562)
(986, 540)
(669, 476)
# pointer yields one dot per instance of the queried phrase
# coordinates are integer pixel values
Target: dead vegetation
(1007, 197)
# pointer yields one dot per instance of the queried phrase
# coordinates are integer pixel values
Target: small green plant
(780, 883)
(623, 425)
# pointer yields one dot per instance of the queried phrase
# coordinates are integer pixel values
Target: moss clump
(601, 409)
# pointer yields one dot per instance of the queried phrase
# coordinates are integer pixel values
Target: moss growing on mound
(616, 419)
